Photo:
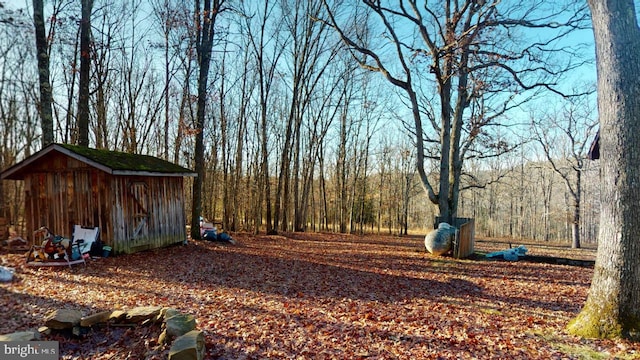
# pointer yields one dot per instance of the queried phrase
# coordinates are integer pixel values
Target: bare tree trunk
(341, 169)
(265, 178)
(612, 308)
(237, 172)
(295, 198)
(70, 131)
(266, 62)
(324, 213)
(405, 205)
(576, 126)
(575, 225)
(205, 20)
(382, 173)
(166, 30)
(312, 52)
(102, 56)
(85, 66)
(521, 199)
(46, 98)
(449, 36)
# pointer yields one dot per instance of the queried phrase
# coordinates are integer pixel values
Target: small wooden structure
(137, 201)
(464, 245)
(465, 240)
(4, 229)
(594, 150)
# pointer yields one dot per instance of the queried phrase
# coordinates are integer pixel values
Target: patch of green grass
(443, 262)
(490, 311)
(582, 351)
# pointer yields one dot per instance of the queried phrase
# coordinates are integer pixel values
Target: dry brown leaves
(320, 296)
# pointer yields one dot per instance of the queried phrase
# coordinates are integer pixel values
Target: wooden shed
(594, 150)
(137, 201)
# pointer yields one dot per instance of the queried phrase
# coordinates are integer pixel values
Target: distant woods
(296, 136)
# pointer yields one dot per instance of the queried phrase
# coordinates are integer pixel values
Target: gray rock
(189, 346)
(167, 313)
(20, 336)
(101, 317)
(142, 313)
(63, 319)
(180, 324)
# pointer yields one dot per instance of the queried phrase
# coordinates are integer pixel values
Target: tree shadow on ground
(22, 311)
(333, 271)
(294, 282)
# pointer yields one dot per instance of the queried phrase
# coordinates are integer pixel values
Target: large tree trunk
(612, 308)
(205, 20)
(46, 99)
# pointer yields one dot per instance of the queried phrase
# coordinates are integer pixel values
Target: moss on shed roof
(125, 161)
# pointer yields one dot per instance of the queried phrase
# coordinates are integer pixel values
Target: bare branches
(354, 47)
(476, 56)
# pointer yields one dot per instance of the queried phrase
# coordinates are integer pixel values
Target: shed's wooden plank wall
(148, 212)
(60, 199)
(132, 212)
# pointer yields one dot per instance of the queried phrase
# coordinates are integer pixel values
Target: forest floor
(321, 296)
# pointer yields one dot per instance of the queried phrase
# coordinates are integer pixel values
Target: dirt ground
(322, 296)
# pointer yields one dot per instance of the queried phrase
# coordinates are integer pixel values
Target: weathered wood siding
(148, 212)
(61, 192)
(133, 212)
(4, 230)
(465, 244)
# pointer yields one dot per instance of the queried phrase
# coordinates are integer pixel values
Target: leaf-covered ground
(320, 296)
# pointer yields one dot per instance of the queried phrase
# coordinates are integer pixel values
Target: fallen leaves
(321, 296)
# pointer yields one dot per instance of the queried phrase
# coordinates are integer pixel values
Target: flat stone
(101, 317)
(118, 315)
(20, 336)
(142, 313)
(189, 346)
(63, 319)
